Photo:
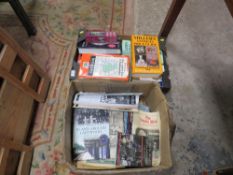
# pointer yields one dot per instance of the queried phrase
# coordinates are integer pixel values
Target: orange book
(146, 55)
(100, 66)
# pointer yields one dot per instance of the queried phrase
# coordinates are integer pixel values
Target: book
(91, 134)
(111, 101)
(126, 47)
(100, 37)
(146, 59)
(128, 120)
(83, 47)
(88, 150)
(100, 66)
(100, 42)
(134, 151)
(148, 124)
(116, 124)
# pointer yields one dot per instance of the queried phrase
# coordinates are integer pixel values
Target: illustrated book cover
(146, 55)
(100, 66)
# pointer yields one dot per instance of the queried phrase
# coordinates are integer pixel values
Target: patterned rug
(53, 48)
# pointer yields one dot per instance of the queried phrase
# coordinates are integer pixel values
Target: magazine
(148, 124)
(112, 101)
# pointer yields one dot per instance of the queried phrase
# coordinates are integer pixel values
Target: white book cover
(112, 101)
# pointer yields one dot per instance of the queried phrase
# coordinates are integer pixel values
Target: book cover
(148, 124)
(100, 66)
(116, 123)
(91, 134)
(111, 101)
(99, 42)
(146, 55)
(90, 48)
(134, 151)
(100, 37)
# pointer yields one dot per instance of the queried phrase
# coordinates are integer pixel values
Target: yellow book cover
(146, 55)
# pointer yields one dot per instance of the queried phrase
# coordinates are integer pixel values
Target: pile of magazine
(114, 130)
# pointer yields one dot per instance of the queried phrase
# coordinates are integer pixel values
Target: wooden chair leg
(229, 4)
(15, 4)
(171, 17)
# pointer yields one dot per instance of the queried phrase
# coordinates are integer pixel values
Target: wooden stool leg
(171, 17)
(229, 4)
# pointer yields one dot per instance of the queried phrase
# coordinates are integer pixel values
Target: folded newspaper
(113, 101)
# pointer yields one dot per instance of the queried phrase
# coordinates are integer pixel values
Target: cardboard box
(154, 99)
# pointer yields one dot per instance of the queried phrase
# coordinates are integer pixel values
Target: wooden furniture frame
(173, 12)
(22, 82)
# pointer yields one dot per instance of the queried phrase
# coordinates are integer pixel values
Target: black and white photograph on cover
(134, 151)
(91, 116)
(118, 99)
(151, 56)
(153, 136)
(140, 54)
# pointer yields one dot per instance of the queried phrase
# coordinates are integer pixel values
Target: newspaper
(111, 101)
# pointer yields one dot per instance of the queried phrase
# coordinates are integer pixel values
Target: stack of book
(105, 55)
(112, 131)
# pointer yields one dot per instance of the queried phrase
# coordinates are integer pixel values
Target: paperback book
(148, 124)
(95, 66)
(146, 61)
(134, 151)
(91, 134)
(99, 42)
(111, 101)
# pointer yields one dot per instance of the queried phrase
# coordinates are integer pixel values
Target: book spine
(118, 148)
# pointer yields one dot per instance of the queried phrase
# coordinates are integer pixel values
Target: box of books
(117, 128)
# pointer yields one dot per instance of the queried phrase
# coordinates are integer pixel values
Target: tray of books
(106, 56)
(117, 127)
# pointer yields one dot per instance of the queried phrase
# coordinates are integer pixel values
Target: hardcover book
(95, 66)
(134, 151)
(146, 55)
(148, 124)
(91, 134)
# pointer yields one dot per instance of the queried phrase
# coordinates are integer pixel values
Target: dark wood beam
(229, 4)
(171, 17)
(20, 12)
